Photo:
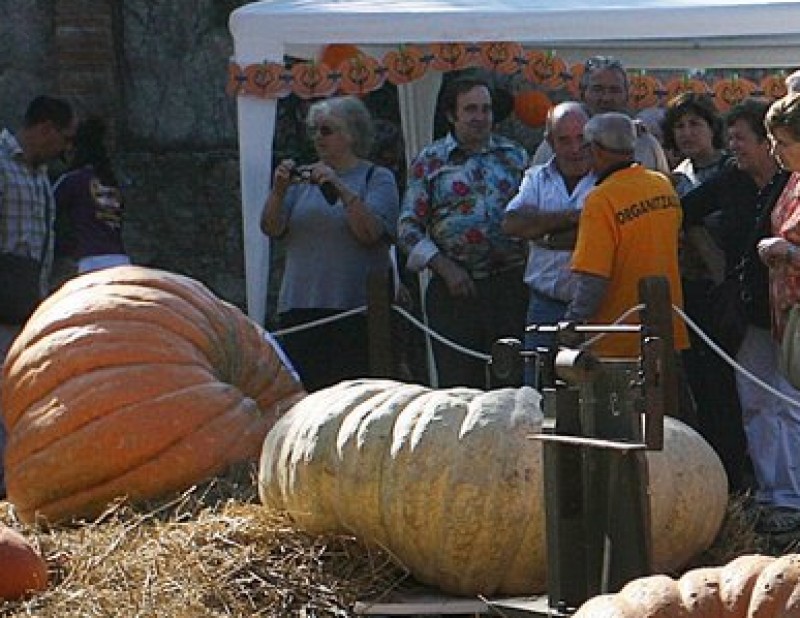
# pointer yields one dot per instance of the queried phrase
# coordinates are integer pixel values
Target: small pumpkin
(406, 64)
(134, 382)
(751, 586)
(23, 571)
(335, 54)
(451, 484)
(531, 107)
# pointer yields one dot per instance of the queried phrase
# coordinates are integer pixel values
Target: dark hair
(693, 103)
(752, 111)
(90, 149)
(785, 113)
(449, 101)
(43, 109)
(601, 63)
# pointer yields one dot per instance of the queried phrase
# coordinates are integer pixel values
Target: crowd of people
(509, 240)
(711, 202)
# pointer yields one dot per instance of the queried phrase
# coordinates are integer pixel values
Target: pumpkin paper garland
(361, 75)
(266, 80)
(311, 80)
(731, 91)
(134, 383)
(501, 57)
(406, 64)
(774, 86)
(544, 68)
(643, 91)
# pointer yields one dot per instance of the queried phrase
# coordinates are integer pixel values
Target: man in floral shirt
(450, 222)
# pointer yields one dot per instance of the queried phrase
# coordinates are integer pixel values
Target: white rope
(487, 358)
(727, 358)
(331, 318)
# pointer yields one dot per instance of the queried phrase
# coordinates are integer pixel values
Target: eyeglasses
(323, 130)
(602, 62)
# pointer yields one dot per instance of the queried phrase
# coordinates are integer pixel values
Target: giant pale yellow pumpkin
(134, 382)
(451, 484)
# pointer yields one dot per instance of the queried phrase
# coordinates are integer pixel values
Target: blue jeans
(541, 310)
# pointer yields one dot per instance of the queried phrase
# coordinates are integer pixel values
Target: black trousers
(475, 323)
(329, 353)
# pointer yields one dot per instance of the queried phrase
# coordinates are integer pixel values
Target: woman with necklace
(337, 219)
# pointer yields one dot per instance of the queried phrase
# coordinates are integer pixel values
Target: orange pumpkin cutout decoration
(405, 64)
(729, 92)
(501, 57)
(531, 107)
(774, 86)
(335, 54)
(360, 75)
(546, 69)
(268, 80)
(310, 80)
(451, 56)
(236, 80)
(22, 570)
(573, 81)
(679, 85)
(643, 91)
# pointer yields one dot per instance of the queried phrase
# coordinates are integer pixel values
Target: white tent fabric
(649, 34)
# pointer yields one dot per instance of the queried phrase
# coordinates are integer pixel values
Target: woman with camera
(337, 219)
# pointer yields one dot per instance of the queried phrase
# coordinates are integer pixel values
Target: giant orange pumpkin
(134, 382)
(531, 107)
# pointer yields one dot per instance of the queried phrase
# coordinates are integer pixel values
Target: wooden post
(379, 325)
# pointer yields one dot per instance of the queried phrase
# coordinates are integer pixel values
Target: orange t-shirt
(629, 230)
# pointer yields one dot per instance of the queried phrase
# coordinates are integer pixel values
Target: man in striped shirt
(27, 207)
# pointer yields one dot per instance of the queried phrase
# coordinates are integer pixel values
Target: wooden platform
(421, 601)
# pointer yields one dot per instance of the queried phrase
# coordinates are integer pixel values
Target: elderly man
(628, 230)
(545, 211)
(604, 88)
(450, 222)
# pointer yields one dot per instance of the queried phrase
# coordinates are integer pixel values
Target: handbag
(789, 359)
(730, 319)
(20, 288)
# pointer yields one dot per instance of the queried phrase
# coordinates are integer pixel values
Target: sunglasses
(323, 130)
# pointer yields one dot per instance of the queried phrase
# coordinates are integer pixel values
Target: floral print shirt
(454, 203)
(784, 279)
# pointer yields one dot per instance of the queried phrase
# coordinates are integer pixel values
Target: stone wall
(157, 71)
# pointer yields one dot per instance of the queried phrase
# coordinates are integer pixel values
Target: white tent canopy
(667, 34)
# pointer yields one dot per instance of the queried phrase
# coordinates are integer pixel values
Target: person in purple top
(89, 206)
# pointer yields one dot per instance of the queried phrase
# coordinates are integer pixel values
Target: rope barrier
(487, 358)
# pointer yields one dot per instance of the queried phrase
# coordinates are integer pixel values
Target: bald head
(564, 132)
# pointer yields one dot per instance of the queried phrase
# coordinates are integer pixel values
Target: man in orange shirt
(628, 231)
